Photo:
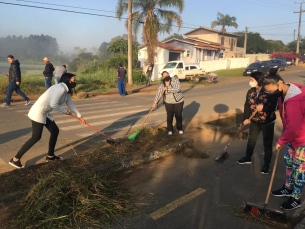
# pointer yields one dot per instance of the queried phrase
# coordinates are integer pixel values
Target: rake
(222, 157)
(133, 137)
(109, 139)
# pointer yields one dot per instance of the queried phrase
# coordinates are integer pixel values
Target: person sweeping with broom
(263, 121)
(40, 115)
(291, 99)
(173, 100)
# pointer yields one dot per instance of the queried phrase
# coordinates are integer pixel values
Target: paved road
(119, 116)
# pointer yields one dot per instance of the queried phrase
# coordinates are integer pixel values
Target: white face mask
(253, 84)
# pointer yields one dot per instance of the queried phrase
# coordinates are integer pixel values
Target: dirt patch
(229, 125)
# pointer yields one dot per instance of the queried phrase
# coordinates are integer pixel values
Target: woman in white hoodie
(40, 115)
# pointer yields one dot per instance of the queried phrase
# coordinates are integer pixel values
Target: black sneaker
(282, 192)
(16, 164)
(244, 161)
(265, 170)
(291, 204)
(53, 158)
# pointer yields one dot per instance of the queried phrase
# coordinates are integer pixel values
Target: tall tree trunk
(150, 35)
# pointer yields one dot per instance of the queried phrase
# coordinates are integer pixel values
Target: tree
(152, 13)
(255, 44)
(224, 20)
(175, 35)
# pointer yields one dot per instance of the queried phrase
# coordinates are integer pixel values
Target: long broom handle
(240, 130)
(93, 128)
(151, 110)
(272, 177)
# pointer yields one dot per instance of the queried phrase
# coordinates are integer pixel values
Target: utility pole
(245, 42)
(299, 31)
(294, 36)
(130, 81)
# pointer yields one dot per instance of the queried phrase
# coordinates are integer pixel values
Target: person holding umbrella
(173, 100)
(40, 115)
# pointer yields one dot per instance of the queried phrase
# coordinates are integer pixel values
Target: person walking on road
(40, 115)
(258, 100)
(173, 100)
(120, 75)
(149, 72)
(14, 77)
(291, 99)
(59, 71)
(48, 73)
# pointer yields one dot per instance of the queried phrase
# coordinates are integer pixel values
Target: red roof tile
(212, 30)
(166, 46)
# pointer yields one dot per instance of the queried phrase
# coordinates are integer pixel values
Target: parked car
(302, 59)
(257, 67)
(281, 64)
(289, 62)
(179, 70)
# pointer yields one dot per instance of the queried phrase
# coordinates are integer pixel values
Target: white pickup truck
(181, 71)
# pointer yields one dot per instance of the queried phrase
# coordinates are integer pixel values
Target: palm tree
(156, 18)
(224, 20)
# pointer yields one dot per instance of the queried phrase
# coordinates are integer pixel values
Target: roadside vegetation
(62, 195)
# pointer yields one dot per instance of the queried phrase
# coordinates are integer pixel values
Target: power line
(68, 11)
(274, 25)
(75, 7)
(264, 5)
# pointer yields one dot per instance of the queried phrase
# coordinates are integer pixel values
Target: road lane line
(68, 119)
(177, 203)
(79, 126)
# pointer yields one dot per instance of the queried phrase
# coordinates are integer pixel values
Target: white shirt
(51, 100)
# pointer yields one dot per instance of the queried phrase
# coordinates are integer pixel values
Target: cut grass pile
(75, 191)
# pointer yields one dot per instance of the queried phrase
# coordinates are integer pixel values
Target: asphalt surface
(164, 181)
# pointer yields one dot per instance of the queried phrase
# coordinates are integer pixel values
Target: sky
(86, 31)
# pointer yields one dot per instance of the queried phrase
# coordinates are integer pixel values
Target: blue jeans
(10, 89)
(56, 79)
(48, 82)
(121, 87)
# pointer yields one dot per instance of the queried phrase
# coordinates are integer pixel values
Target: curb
(149, 156)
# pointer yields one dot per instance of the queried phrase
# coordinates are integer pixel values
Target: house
(229, 40)
(164, 54)
(198, 49)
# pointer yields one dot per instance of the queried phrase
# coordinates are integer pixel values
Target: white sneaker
(170, 133)
(181, 132)
(28, 102)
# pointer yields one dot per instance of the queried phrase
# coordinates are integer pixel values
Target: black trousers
(171, 110)
(36, 136)
(268, 132)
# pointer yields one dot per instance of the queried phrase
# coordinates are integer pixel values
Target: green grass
(230, 72)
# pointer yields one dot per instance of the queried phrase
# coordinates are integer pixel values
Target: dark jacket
(14, 72)
(49, 69)
(253, 99)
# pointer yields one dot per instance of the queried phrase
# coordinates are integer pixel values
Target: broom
(222, 157)
(257, 210)
(133, 137)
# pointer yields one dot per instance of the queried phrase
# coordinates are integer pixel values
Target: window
(193, 67)
(222, 40)
(186, 68)
(180, 65)
(170, 65)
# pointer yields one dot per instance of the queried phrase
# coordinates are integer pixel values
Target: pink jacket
(292, 112)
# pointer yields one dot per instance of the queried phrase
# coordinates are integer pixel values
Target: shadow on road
(6, 137)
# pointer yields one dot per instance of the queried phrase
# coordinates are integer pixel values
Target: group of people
(48, 72)
(265, 96)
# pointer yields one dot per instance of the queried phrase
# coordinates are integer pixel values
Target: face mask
(167, 78)
(253, 84)
(277, 93)
(72, 85)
